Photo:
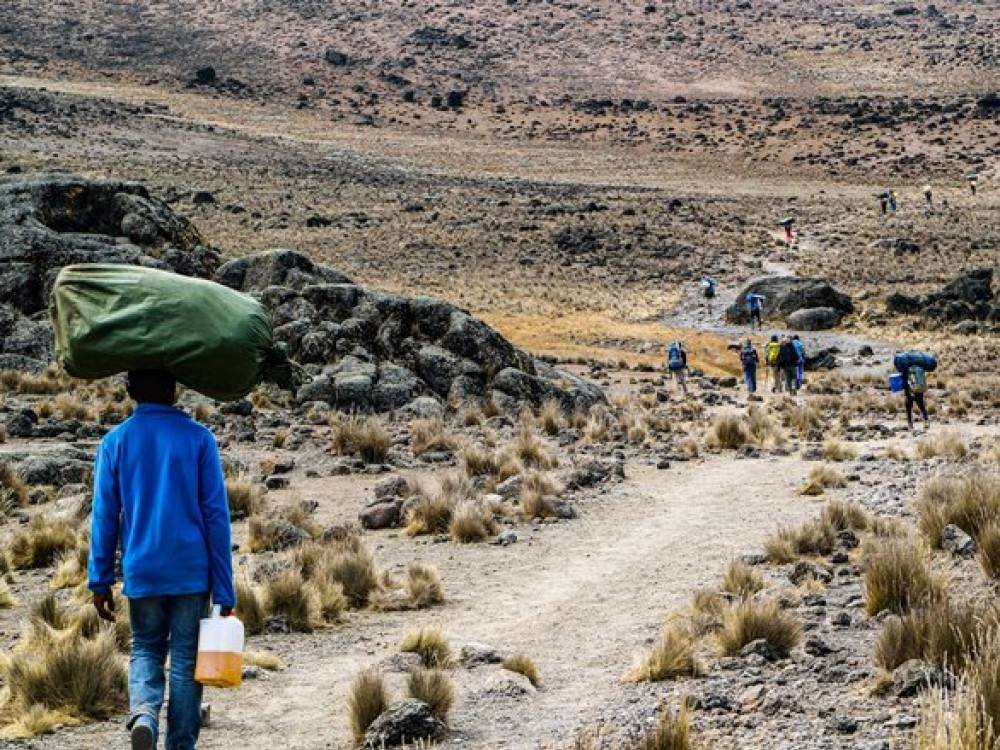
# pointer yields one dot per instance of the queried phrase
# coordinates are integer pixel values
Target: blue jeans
(161, 624)
(750, 375)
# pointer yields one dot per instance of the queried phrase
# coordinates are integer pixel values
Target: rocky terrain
(478, 226)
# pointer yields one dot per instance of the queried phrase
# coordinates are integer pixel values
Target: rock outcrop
(367, 350)
(812, 304)
(968, 297)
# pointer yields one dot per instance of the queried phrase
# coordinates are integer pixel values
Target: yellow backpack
(773, 347)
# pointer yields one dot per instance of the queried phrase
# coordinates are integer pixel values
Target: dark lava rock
(405, 722)
(784, 295)
(336, 58)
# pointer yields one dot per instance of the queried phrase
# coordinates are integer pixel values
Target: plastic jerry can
(895, 383)
(220, 651)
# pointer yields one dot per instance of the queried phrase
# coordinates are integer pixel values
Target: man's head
(774, 337)
(152, 387)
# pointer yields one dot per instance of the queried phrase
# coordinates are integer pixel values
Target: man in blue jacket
(158, 486)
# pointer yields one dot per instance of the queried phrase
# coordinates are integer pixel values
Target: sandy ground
(582, 598)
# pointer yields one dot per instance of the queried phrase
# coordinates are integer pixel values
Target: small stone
(913, 676)
(277, 482)
(816, 646)
(477, 654)
(751, 698)
(956, 541)
(841, 620)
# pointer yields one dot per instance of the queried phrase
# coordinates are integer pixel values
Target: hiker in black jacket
(788, 360)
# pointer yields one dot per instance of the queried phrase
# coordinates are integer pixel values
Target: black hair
(152, 386)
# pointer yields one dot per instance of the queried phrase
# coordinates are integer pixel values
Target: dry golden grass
(41, 542)
(940, 632)
(480, 462)
(36, 721)
(845, 515)
(431, 645)
(817, 537)
(472, 522)
(470, 415)
(531, 451)
(423, 586)
(363, 438)
(944, 444)
(367, 700)
(971, 503)
(742, 580)
(244, 498)
(431, 435)
(672, 732)
(431, 515)
(288, 595)
(249, 608)
(353, 569)
(551, 419)
(330, 598)
(71, 407)
(13, 489)
(898, 576)
(674, 655)
(7, 598)
(821, 478)
(538, 495)
(749, 621)
(263, 659)
(989, 549)
(435, 688)
(728, 431)
(523, 665)
(71, 567)
(837, 451)
(65, 672)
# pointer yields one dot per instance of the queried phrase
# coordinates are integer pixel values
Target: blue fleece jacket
(158, 481)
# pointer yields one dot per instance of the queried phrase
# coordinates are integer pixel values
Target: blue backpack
(675, 361)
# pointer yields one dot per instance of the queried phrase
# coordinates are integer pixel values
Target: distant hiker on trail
(787, 225)
(771, 351)
(749, 359)
(708, 291)
(800, 363)
(677, 362)
(973, 179)
(755, 303)
(883, 201)
(928, 195)
(787, 364)
(893, 201)
(158, 486)
(914, 366)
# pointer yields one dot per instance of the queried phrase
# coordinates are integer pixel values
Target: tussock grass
(944, 444)
(423, 586)
(989, 549)
(821, 478)
(728, 431)
(846, 515)
(940, 632)
(71, 567)
(249, 607)
(263, 659)
(71, 407)
(13, 489)
(367, 700)
(7, 598)
(898, 576)
(763, 430)
(244, 498)
(363, 438)
(67, 673)
(430, 435)
(479, 462)
(431, 515)
(330, 598)
(672, 732)
(431, 645)
(36, 721)
(749, 621)
(972, 503)
(41, 542)
(531, 450)
(674, 655)
(288, 595)
(435, 688)
(470, 415)
(817, 537)
(742, 580)
(837, 451)
(353, 569)
(523, 665)
(472, 522)
(551, 419)
(537, 496)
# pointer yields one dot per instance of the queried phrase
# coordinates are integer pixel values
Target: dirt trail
(582, 598)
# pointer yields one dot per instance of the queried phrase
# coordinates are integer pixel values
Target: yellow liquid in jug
(219, 669)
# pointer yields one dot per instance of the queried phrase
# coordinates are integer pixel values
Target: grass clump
(288, 596)
(672, 732)
(971, 503)
(944, 444)
(531, 450)
(940, 632)
(750, 621)
(472, 522)
(367, 700)
(249, 608)
(41, 542)
(71, 567)
(989, 549)
(7, 598)
(538, 495)
(263, 659)
(898, 577)
(729, 431)
(837, 451)
(817, 537)
(430, 435)
(675, 655)
(244, 498)
(846, 515)
(551, 419)
(435, 688)
(353, 569)
(431, 645)
(13, 489)
(822, 478)
(423, 586)
(742, 580)
(431, 515)
(523, 665)
(363, 438)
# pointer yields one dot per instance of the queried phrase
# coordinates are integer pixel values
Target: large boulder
(967, 297)
(408, 721)
(814, 319)
(276, 268)
(784, 295)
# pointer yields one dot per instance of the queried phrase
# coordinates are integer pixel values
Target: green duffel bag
(113, 318)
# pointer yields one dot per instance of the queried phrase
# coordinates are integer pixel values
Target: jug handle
(216, 612)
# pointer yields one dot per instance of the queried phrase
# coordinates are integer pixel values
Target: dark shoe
(142, 737)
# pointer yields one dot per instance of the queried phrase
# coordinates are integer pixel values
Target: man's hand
(225, 611)
(105, 606)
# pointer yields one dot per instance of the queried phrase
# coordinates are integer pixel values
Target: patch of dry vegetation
(431, 435)
(752, 620)
(898, 576)
(423, 586)
(244, 498)
(435, 688)
(523, 665)
(742, 580)
(674, 655)
(944, 444)
(361, 437)
(41, 542)
(822, 478)
(472, 522)
(838, 451)
(431, 645)
(367, 700)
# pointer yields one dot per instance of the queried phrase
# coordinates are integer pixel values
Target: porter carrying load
(114, 318)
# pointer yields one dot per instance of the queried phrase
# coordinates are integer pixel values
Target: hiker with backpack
(755, 303)
(914, 366)
(708, 291)
(800, 363)
(749, 359)
(771, 351)
(677, 365)
(787, 362)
